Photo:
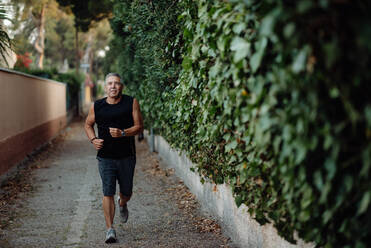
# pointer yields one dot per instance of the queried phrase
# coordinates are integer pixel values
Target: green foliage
(59, 39)
(271, 97)
(148, 49)
(87, 12)
(100, 91)
(58, 31)
(73, 82)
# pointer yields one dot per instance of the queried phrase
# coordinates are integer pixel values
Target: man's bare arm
(89, 129)
(136, 128)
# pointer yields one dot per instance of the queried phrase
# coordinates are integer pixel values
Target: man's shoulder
(99, 102)
(127, 97)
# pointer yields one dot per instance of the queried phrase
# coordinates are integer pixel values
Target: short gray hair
(112, 74)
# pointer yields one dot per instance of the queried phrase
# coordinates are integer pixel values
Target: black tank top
(117, 115)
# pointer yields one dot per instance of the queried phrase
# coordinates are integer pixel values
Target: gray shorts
(121, 170)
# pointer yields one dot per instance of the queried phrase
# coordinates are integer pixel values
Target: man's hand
(115, 132)
(98, 143)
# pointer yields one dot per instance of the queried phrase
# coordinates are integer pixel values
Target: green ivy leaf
(289, 30)
(241, 48)
(230, 146)
(318, 180)
(238, 200)
(187, 63)
(267, 25)
(187, 34)
(300, 61)
(304, 216)
(239, 27)
(331, 51)
(243, 176)
(363, 206)
(304, 5)
(330, 166)
(257, 57)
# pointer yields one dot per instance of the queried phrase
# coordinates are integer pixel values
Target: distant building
(65, 67)
(89, 85)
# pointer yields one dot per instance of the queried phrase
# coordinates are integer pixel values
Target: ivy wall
(271, 97)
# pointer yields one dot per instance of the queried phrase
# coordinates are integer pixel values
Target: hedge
(270, 97)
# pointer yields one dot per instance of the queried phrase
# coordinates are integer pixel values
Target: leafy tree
(59, 33)
(100, 35)
(33, 13)
(59, 39)
(86, 13)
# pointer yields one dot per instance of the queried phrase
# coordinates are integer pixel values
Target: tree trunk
(77, 64)
(40, 41)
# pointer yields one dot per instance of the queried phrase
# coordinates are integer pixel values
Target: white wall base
(219, 202)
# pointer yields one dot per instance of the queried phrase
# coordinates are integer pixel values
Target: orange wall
(32, 111)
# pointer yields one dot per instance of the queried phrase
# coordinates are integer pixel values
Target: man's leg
(109, 210)
(124, 199)
(107, 171)
(123, 208)
(125, 177)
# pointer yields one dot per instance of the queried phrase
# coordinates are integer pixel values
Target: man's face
(113, 87)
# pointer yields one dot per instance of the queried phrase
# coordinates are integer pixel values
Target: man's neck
(113, 100)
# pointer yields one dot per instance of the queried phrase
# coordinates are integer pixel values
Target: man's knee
(125, 197)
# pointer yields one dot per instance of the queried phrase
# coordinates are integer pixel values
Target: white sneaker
(111, 236)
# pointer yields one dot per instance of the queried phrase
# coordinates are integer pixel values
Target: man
(118, 119)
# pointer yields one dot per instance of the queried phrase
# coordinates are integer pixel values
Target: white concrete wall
(219, 201)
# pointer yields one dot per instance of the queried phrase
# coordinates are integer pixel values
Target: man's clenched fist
(98, 143)
(115, 132)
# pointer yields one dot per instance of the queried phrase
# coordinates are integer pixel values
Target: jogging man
(118, 119)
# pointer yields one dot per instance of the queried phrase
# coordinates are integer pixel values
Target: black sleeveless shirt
(117, 115)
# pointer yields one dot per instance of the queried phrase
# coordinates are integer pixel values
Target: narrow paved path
(64, 208)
